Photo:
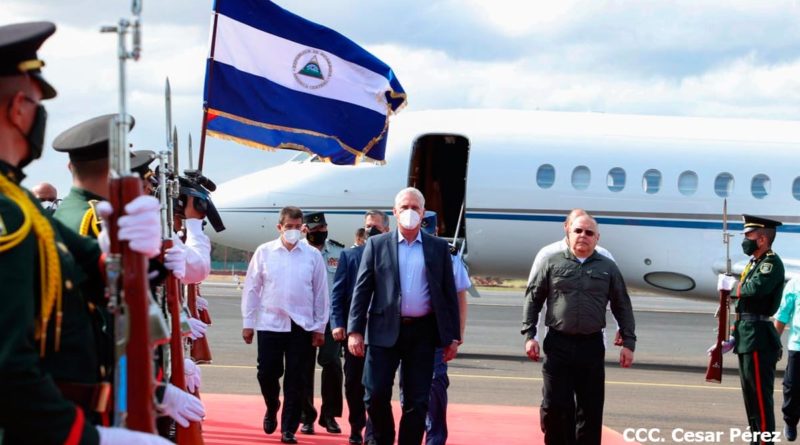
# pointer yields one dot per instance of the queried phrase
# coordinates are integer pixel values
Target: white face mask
(292, 236)
(409, 219)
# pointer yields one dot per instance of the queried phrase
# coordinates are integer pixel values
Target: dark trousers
(331, 385)
(436, 422)
(354, 392)
(574, 388)
(414, 349)
(791, 389)
(757, 375)
(274, 350)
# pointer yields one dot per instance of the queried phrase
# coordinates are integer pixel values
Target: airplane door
(438, 169)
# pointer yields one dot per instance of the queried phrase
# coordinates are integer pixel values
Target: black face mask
(316, 238)
(373, 231)
(35, 136)
(749, 246)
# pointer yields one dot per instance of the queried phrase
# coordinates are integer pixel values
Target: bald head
(574, 213)
(45, 192)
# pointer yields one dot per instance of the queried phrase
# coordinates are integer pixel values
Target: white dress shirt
(198, 252)
(282, 286)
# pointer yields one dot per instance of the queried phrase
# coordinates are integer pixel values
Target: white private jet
(655, 185)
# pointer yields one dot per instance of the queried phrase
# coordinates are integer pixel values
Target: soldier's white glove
(175, 258)
(192, 374)
(182, 406)
(727, 346)
(726, 282)
(198, 328)
(116, 436)
(140, 226)
(202, 303)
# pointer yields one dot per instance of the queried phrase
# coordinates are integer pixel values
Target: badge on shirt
(333, 262)
(765, 268)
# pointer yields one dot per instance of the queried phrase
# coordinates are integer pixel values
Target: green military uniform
(77, 212)
(329, 356)
(758, 345)
(26, 349)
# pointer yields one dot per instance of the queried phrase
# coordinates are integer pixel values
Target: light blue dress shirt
(416, 295)
(789, 314)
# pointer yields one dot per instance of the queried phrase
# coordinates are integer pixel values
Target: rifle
(127, 270)
(193, 434)
(714, 371)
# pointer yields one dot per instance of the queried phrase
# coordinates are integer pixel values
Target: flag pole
(209, 74)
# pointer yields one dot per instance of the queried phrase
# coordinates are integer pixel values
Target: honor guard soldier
(49, 371)
(87, 146)
(757, 296)
(329, 357)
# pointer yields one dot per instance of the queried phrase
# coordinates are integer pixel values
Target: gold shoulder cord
(49, 265)
(90, 221)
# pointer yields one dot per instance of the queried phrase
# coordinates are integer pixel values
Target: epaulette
(770, 253)
(336, 243)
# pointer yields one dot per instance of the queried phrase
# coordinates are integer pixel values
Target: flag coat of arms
(276, 80)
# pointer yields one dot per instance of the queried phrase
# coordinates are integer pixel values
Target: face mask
(316, 238)
(374, 230)
(409, 219)
(749, 246)
(292, 236)
(35, 136)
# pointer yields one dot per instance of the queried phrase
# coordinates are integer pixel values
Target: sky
(716, 58)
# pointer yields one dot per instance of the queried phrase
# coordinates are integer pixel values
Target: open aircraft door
(438, 168)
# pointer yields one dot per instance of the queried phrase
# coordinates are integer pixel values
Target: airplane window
(723, 185)
(760, 186)
(796, 188)
(581, 177)
(687, 183)
(651, 181)
(300, 157)
(546, 176)
(615, 179)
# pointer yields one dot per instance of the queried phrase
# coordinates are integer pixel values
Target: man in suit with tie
(405, 303)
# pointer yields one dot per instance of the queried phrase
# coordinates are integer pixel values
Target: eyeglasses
(587, 232)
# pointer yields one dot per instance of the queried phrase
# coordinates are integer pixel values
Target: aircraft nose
(243, 204)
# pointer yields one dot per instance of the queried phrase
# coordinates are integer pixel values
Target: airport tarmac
(664, 392)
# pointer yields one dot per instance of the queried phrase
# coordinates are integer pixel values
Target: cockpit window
(300, 157)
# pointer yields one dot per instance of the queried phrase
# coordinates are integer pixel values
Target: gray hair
(378, 214)
(409, 191)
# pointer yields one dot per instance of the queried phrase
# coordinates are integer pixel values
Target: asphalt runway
(664, 392)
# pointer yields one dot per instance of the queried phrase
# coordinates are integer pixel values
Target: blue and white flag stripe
(276, 80)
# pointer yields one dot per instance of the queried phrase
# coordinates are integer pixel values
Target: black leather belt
(405, 321)
(745, 316)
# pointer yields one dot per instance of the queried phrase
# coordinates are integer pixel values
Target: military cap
(140, 162)
(429, 222)
(314, 219)
(755, 222)
(88, 140)
(18, 45)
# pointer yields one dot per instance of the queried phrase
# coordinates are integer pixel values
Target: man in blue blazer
(405, 304)
(376, 222)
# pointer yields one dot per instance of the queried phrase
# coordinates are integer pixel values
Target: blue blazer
(343, 283)
(375, 309)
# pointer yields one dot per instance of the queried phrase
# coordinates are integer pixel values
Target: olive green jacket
(759, 292)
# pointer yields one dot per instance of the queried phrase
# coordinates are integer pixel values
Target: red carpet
(236, 419)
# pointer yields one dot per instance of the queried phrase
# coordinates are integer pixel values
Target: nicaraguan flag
(277, 80)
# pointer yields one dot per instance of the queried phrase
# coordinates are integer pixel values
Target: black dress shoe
(355, 438)
(330, 425)
(307, 428)
(288, 437)
(270, 423)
